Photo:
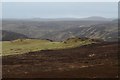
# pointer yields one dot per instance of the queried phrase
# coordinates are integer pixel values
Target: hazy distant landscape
(61, 29)
(62, 47)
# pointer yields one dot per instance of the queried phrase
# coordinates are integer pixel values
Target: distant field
(29, 45)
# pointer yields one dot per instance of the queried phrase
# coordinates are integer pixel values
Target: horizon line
(63, 17)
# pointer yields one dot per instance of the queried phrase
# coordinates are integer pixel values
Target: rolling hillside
(38, 28)
(60, 49)
(91, 61)
(8, 35)
(62, 29)
(107, 32)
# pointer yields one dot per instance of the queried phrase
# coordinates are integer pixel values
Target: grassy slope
(28, 45)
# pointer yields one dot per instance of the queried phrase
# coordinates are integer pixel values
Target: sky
(60, 0)
(59, 9)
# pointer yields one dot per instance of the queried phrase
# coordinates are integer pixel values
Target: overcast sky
(59, 10)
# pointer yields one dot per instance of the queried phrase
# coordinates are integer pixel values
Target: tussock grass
(28, 45)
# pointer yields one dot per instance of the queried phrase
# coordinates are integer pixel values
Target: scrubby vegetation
(90, 61)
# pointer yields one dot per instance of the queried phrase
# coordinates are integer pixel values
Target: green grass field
(29, 45)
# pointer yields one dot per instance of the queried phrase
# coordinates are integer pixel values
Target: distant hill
(106, 31)
(8, 35)
(60, 29)
(97, 18)
(94, 18)
(38, 28)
